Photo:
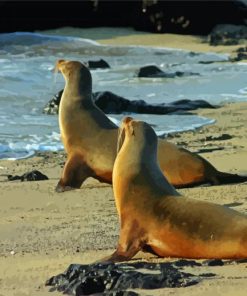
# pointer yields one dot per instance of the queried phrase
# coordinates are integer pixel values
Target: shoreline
(213, 131)
(129, 35)
(42, 232)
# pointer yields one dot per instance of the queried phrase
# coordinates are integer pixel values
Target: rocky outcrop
(111, 103)
(226, 34)
(115, 279)
(239, 55)
(100, 64)
(152, 71)
(29, 176)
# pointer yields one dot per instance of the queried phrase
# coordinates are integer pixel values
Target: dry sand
(42, 232)
(129, 36)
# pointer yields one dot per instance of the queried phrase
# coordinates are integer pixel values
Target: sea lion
(90, 140)
(154, 216)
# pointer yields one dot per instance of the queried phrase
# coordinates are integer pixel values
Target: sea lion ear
(56, 69)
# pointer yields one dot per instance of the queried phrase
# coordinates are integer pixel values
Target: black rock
(120, 293)
(206, 62)
(115, 279)
(213, 262)
(100, 64)
(52, 106)
(91, 285)
(152, 71)
(30, 176)
(241, 54)
(186, 263)
(186, 104)
(219, 138)
(207, 150)
(242, 49)
(225, 34)
(208, 274)
(111, 103)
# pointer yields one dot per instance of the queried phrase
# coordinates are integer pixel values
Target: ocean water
(27, 82)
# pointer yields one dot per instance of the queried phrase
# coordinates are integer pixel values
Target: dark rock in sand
(30, 176)
(219, 138)
(111, 103)
(207, 62)
(239, 55)
(208, 274)
(115, 279)
(186, 263)
(242, 49)
(100, 64)
(213, 262)
(152, 71)
(207, 150)
(225, 34)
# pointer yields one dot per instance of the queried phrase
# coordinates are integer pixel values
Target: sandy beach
(42, 232)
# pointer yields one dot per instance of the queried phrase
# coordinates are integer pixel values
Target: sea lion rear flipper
(228, 178)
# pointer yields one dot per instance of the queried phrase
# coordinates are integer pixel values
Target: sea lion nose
(58, 64)
(127, 119)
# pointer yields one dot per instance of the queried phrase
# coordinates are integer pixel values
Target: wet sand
(42, 232)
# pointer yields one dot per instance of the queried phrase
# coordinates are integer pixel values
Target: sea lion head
(139, 133)
(75, 74)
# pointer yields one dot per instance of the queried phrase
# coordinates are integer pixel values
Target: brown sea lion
(153, 216)
(90, 140)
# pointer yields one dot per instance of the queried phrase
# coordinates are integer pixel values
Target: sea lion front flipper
(131, 241)
(75, 172)
(120, 255)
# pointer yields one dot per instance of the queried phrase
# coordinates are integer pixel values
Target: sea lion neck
(79, 88)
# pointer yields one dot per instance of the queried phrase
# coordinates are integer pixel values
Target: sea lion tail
(228, 178)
